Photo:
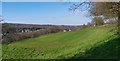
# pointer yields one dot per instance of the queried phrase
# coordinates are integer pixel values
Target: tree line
(11, 31)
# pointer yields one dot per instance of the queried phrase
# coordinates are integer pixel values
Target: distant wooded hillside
(14, 32)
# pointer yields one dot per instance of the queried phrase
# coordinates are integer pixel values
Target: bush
(97, 21)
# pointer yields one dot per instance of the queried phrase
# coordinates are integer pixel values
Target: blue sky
(43, 13)
(43, 0)
(60, 0)
(0, 8)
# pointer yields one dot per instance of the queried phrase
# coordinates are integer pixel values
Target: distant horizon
(45, 24)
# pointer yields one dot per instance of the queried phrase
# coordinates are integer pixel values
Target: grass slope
(76, 44)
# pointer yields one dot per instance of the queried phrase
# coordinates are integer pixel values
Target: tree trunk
(118, 21)
(119, 25)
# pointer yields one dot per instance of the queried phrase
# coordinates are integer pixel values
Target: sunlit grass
(59, 45)
(0, 51)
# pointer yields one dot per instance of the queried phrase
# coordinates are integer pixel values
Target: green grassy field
(89, 42)
(0, 51)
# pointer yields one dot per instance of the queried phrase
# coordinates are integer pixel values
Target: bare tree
(87, 3)
(106, 9)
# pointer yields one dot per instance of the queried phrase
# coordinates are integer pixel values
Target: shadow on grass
(107, 50)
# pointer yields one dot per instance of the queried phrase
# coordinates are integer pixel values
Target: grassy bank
(89, 42)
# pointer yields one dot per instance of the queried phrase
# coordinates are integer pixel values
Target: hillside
(89, 42)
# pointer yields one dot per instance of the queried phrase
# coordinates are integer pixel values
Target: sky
(60, 0)
(55, 13)
(0, 8)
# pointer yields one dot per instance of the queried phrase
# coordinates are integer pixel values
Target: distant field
(89, 42)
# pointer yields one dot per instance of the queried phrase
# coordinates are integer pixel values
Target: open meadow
(88, 42)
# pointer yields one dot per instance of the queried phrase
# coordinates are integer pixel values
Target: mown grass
(64, 45)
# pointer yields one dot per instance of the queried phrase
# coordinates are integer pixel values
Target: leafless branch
(74, 7)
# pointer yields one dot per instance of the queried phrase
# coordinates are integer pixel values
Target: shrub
(98, 21)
